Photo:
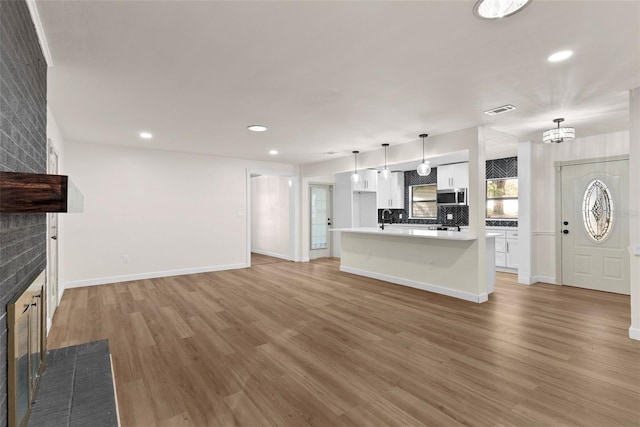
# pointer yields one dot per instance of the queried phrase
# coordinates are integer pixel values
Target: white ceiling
(332, 75)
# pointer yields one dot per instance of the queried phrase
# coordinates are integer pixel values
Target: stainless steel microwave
(452, 197)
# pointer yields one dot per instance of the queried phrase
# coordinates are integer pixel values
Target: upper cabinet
(453, 176)
(391, 192)
(368, 180)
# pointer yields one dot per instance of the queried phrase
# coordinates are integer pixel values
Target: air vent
(500, 110)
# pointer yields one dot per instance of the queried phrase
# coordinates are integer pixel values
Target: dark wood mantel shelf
(32, 192)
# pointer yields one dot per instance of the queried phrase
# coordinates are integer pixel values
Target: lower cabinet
(506, 248)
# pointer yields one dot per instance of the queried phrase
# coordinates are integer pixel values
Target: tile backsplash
(499, 168)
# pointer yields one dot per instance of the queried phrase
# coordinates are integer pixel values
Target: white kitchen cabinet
(453, 176)
(512, 249)
(506, 249)
(390, 192)
(368, 180)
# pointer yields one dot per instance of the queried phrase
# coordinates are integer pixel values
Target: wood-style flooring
(301, 344)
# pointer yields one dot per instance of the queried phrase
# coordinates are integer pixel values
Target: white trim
(467, 296)
(115, 391)
(634, 333)
(544, 279)
(151, 275)
(271, 254)
(544, 233)
(523, 280)
(42, 38)
(303, 259)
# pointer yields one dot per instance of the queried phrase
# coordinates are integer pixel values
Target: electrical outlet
(400, 216)
(449, 216)
(125, 259)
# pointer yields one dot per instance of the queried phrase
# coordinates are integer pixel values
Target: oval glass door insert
(597, 210)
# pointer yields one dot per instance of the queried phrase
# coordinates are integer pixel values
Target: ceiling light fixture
(257, 128)
(558, 135)
(273, 152)
(385, 172)
(146, 135)
(496, 9)
(560, 56)
(355, 177)
(424, 168)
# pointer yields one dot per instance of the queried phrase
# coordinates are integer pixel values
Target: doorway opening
(271, 220)
(320, 219)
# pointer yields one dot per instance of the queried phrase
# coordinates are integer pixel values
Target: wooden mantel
(32, 192)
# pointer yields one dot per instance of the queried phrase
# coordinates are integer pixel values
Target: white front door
(320, 197)
(52, 247)
(595, 226)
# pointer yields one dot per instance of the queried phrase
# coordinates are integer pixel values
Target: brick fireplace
(23, 120)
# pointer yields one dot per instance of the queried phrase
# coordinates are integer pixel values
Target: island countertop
(413, 232)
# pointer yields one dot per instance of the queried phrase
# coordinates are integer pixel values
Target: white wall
(543, 222)
(270, 215)
(170, 213)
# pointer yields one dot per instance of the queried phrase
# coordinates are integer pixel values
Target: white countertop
(413, 232)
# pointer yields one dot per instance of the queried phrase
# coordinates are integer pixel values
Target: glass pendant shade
(558, 135)
(385, 172)
(355, 177)
(424, 169)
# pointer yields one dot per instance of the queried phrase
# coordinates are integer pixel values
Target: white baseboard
(151, 275)
(467, 296)
(271, 254)
(634, 333)
(526, 280)
(303, 259)
(544, 279)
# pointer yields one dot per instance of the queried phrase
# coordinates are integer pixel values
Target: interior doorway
(321, 214)
(272, 215)
(594, 225)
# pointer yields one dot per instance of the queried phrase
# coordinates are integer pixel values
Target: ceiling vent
(500, 110)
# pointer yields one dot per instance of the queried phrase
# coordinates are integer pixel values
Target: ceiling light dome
(496, 9)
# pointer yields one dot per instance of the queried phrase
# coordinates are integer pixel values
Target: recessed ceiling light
(146, 135)
(496, 9)
(560, 56)
(273, 152)
(257, 128)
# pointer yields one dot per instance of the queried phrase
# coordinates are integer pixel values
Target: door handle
(54, 237)
(565, 231)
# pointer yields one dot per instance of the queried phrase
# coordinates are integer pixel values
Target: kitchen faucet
(384, 212)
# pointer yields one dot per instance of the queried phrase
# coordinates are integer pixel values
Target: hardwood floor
(299, 344)
(259, 259)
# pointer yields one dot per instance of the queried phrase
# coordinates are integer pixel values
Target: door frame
(330, 238)
(294, 217)
(558, 201)
(49, 284)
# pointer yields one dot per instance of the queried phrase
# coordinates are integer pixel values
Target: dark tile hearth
(76, 389)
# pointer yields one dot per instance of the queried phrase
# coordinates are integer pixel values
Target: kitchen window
(502, 198)
(423, 201)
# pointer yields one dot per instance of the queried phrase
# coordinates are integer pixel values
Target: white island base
(444, 262)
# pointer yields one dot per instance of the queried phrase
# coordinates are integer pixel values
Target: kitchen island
(444, 262)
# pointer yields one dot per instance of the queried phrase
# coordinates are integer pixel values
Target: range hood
(38, 193)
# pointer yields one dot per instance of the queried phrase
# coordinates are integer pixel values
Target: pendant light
(355, 177)
(385, 172)
(558, 135)
(424, 168)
